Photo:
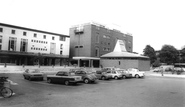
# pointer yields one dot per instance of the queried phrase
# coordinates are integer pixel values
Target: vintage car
(64, 77)
(87, 77)
(136, 73)
(125, 73)
(102, 75)
(31, 74)
(115, 74)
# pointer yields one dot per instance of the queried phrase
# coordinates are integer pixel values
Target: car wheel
(25, 77)
(103, 78)
(49, 80)
(29, 78)
(137, 76)
(66, 82)
(115, 77)
(124, 77)
(86, 81)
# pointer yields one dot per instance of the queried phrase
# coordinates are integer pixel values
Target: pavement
(151, 73)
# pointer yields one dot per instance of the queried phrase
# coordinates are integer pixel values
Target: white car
(136, 73)
(115, 74)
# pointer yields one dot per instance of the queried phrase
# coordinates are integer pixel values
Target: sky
(151, 22)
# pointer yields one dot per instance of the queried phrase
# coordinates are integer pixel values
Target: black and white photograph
(92, 53)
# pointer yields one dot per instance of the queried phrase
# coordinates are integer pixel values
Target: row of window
(40, 49)
(106, 49)
(38, 41)
(61, 38)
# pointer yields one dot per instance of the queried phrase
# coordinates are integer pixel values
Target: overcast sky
(151, 22)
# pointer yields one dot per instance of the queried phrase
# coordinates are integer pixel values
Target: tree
(168, 54)
(182, 52)
(150, 52)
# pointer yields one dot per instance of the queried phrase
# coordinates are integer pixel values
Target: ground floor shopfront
(25, 58)
(86, 62)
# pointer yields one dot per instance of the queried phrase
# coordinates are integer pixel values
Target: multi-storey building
(93, 40)
(20, 45)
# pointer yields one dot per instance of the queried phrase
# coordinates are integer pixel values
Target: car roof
(62, 71)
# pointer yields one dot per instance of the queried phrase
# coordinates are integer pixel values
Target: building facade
(25, 46)
(120, 58)
(95, 40)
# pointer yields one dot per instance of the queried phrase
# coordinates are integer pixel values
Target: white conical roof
(120, 51)
(120, 46)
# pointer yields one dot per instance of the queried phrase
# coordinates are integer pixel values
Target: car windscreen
(34, 71)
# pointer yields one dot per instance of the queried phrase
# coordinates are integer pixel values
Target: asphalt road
(147, 92)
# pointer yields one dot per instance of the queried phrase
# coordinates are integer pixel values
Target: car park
(64, 77)
(31, 74)
(102, 75)
(125, 73)
(87, 77)
(115, 74)
(136, 73)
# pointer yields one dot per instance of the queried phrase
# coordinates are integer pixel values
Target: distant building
(92, 40)
(120, 58)
(20, 45)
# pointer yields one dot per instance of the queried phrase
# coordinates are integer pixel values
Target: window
(53, 38)
(61, 52)
(44, 36)
(61, 46)
(62, 38)
(1, 42)
(52, 48)
(97, 38)
(24, 33)
(12, 44)
(1, 29)
(97, 52)
(24, 44)
(13, 31)
(35, 35)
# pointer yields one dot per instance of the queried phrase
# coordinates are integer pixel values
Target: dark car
(87, 77)
(64, 77)
(101, 74)
(31, 74)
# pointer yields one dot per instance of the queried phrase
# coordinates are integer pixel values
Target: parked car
(100, 74)
(136, 73)
(178, 70)
(125, 73)
(64, 77)
(157, 69)
(31, 74)
(87, 77)
(115, 74)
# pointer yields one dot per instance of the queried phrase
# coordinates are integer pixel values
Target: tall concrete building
(92, 40)
(20, 45)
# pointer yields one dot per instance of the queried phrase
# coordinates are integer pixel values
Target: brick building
(92, 40)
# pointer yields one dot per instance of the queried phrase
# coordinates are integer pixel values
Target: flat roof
(35, 30)
(86, 58)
